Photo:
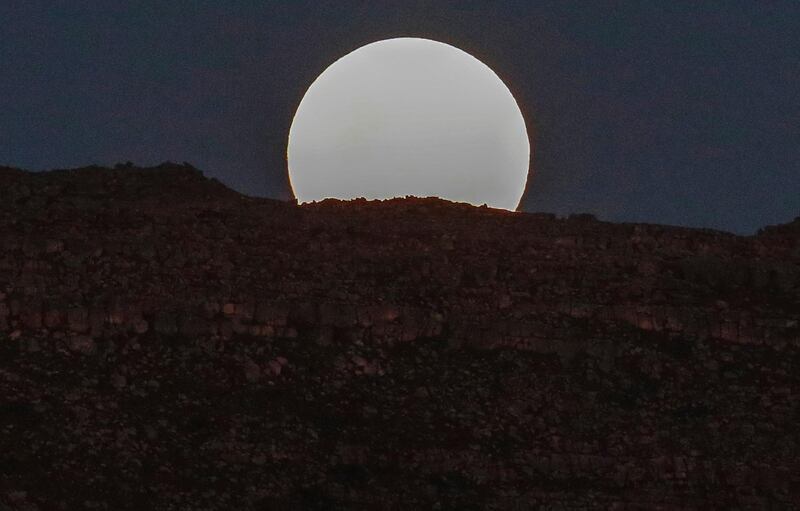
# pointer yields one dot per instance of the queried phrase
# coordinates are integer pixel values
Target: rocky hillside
(167, 344)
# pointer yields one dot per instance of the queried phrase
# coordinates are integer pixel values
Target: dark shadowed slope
(166, 343)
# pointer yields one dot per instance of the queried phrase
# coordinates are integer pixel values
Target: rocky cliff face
(166, 343)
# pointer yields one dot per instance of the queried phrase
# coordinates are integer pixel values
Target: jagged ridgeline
(167, 343)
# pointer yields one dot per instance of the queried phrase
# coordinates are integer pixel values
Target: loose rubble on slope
(166, 343)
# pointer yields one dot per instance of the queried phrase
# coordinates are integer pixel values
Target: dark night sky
(672, 112)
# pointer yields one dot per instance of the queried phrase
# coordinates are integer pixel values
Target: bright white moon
(409, 117)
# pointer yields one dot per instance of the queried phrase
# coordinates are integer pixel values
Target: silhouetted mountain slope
(790, 232)
(166, 343)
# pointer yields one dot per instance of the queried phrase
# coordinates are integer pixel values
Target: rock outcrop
(166, 343)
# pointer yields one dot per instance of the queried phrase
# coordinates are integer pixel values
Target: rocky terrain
(168, 344)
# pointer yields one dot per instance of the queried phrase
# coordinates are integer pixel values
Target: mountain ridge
(11, 175)
(210, 350)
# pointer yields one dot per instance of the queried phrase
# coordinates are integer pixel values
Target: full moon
(409, 116)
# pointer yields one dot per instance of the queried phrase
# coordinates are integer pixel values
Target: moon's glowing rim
(315, 83)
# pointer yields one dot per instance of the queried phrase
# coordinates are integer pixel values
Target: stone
(140, 326)
(275, 367)
(5, 312)
(82, 344)
(118, 381)
(54, 318)
(252, 372)
(78, 320)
